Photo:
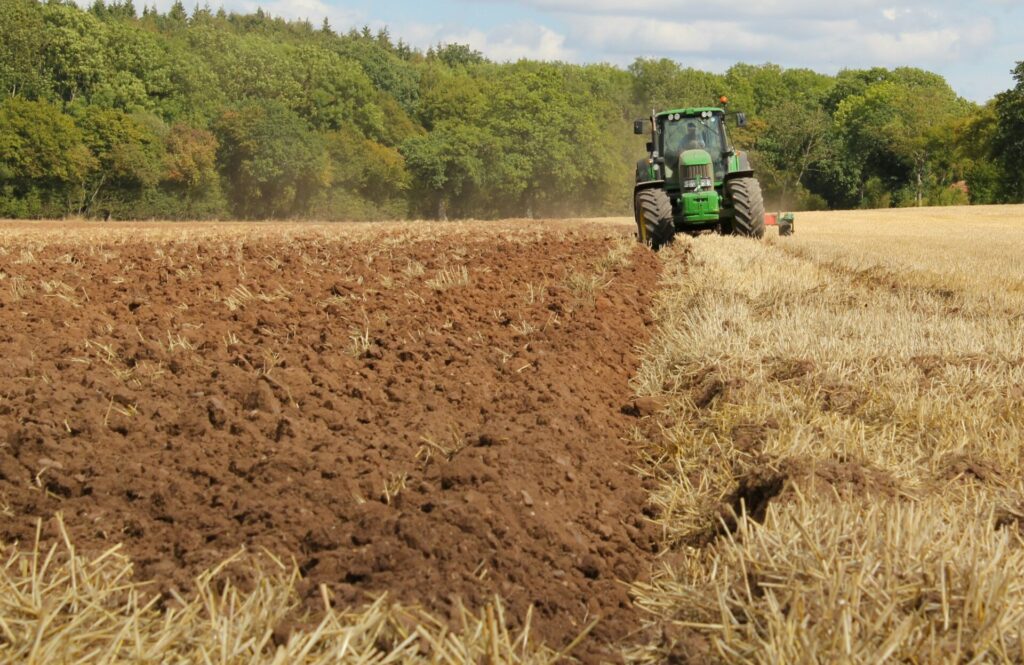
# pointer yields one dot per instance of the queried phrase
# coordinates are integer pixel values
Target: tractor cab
(694, 129)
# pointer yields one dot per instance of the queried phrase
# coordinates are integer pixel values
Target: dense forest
(106, 113)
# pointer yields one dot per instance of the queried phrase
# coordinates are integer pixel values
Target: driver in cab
(691, 141)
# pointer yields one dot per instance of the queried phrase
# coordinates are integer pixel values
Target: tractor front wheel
(748, 207)
(653, 211)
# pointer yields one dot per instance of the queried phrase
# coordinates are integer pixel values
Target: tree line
(109, 113)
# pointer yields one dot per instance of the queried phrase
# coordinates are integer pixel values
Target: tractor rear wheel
(748, 207)
(653, 211)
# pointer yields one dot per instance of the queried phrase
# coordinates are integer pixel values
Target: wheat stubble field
(513, 442)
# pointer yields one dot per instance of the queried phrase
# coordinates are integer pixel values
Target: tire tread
(748, 207)
(654, 210)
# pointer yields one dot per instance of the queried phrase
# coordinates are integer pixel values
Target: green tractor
(692, 180)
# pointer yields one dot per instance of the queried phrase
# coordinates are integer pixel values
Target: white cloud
(521, 41)
(827, 43)
(627, 34)
(962, 40)
(799, 33)
(688, 10)
(503, 43)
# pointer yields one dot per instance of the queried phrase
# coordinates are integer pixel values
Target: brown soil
(771, 481)
(312, 394)
(968, 467)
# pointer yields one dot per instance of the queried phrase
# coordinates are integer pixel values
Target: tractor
(693, 180)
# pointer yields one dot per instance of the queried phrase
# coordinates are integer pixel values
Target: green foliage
(795, 142)
(455, 55)
(368, 180)
(140, 69)
(271, 159)
(545, 141)
(44, 161)
(1009, 136)
(190, 173)
(977, 159)
(73, 51)
(448, 94)
(209, 114)
(664, 84)
(390, 73)
(876, 194)
(21, 51)
(897, 130)
(447, 168)
(336, 92)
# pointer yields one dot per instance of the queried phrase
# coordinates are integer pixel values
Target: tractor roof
(690, 112)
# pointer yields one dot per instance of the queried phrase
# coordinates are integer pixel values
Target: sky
(973, 44)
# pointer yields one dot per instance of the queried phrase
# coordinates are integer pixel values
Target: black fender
(648, 184)
(749, 173)
(745, 170)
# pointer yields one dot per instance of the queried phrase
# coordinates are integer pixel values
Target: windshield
(693, 134)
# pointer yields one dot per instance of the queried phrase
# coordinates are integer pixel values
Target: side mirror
(638, 127)
(741, 119)
(650, 146)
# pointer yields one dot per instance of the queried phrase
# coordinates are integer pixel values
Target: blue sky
(973, 44)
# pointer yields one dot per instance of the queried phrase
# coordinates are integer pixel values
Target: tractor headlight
(705, 182)
(690, 184)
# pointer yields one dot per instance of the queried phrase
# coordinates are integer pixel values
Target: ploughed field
(430, 411)
(529, 437)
